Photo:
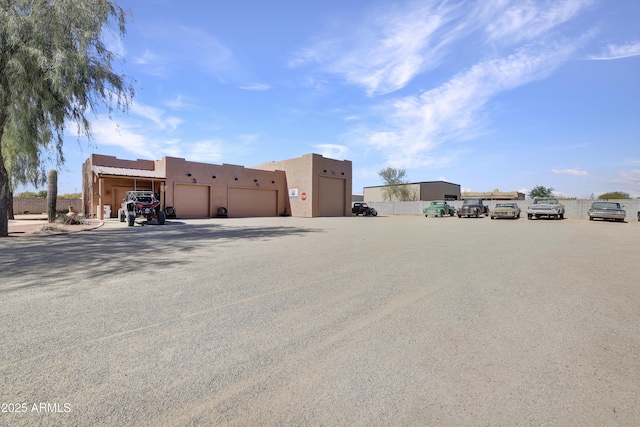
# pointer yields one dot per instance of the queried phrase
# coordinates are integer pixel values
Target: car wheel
(529, 216)
(131, 219)
(161, 217)
(365, 213)
(561, 216)
(374, 212)
(493, 217)
(121, 215)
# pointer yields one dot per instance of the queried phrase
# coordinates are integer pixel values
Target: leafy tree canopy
(396, 187)
(614, 195)
(540, 191)
(54, 69)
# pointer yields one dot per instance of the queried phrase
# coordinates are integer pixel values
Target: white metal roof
(138, 173)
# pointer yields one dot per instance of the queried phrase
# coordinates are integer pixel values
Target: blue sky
(487, 94)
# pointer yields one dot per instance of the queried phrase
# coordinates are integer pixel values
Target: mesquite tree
(54, 69)
(52, 195)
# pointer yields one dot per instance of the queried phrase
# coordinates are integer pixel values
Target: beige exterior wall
(436, 190)
(303, 175)
(223, 185)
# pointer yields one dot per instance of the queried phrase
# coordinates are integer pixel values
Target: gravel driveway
(399, 320)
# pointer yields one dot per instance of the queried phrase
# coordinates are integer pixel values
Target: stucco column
(100, 213)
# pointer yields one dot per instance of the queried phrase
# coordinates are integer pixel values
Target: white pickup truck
(549, 207)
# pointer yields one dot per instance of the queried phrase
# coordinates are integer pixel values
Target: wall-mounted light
(255, 180)
(194, 180)
(235, 179)
(325, 171)
(213, 176)
(188, 174)
(273, 182)
(342, 173)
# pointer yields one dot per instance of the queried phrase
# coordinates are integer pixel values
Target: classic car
(545, 206)
(439, 208)
(607, 210)
(363, 209)
(473, 207)
(505, 210)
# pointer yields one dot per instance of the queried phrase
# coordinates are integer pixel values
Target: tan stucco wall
(303, 174)
(226, 176)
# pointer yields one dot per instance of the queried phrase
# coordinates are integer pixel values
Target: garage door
(332, 195)
(245, 202)
(191, 201)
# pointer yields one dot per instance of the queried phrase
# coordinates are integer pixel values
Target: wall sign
(293, 193)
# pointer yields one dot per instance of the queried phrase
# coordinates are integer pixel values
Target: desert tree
(55, 68)
(396, 185)
(541, 191)
(614, 195)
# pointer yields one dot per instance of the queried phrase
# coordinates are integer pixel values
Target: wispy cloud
(525, 20)
(155, 115)
(384, 52)
(618, 51)
(454, 111)
(256, 87)
(576, 172)
(333, 151)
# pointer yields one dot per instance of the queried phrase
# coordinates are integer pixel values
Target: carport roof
(137, 173)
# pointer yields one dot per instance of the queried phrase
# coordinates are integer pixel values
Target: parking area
(387, 320)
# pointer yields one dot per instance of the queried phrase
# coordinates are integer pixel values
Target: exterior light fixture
(255, 180)
(188, 174)
(213, 176)
(235, 179)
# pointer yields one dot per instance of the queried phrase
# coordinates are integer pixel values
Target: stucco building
(307, 186)
(426, 190)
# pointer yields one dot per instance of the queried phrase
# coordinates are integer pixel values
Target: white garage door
(245, 202)
(191, 201)
(332, 195)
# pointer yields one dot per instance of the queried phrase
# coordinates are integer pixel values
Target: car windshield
(605, 205)
(472, 202)
(545, 201)
(505, 205)
(437, 203)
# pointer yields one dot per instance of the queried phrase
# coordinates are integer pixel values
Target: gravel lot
(399, 320)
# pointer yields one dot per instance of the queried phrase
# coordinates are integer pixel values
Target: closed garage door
(245, 202)
(191, 201)
(331, 196)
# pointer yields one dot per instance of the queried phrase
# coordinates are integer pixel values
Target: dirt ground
(38, 225)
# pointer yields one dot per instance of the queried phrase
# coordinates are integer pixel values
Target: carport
(114, 182)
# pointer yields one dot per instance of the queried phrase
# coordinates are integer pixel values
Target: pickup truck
(363, 209)
(548, 207)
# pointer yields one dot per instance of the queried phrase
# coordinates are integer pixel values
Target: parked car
(473, 207)
(141, 204)
(545, 206)
(363, 209)
(607, 210)
(506, 210)
(439, 208)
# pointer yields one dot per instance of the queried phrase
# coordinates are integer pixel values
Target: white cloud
(528, 19)
(155, 115)
(256, 86)
(416, 125)
(334, 151)
(576, 172)
(619, 51)
(383, 53)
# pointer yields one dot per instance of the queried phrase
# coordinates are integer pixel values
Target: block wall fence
(573, 208)
(39, 205)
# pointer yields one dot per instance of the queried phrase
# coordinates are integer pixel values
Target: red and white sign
(303, 196)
